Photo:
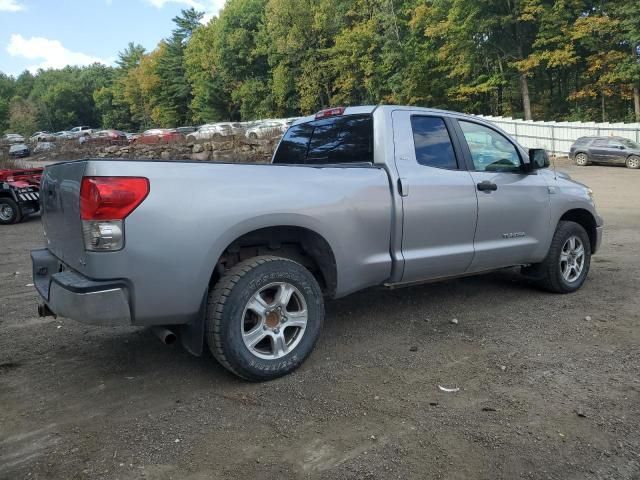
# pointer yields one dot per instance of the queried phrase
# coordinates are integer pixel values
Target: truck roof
(369, 109)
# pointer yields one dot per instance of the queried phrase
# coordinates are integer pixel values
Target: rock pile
(228, 149)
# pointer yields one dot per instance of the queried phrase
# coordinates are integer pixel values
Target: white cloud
(10, 6)
(49, 53)
(210, 8)
(189, 3)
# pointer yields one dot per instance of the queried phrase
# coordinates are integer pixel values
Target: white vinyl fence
(557, 137)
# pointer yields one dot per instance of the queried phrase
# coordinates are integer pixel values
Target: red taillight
(330, 112)
(111, 198)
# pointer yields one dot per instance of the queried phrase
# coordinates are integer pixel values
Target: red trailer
(19, 194)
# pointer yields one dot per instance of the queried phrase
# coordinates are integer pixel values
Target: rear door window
(432, 142)
(347, 139)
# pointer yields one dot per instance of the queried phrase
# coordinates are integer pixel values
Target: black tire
(225, 320)
(633, 162)
(16, 213)
(550, 275)
(582, 159)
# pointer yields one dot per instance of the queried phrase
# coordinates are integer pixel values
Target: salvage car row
(262, 129)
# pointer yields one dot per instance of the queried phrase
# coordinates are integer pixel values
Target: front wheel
(264, 317)
(633, 162)
(9, 212)
(566, 266)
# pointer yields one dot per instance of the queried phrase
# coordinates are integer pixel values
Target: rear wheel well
(295, 243)
(586, 220)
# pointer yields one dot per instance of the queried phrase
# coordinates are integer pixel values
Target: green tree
(174, 91)
(23, 116)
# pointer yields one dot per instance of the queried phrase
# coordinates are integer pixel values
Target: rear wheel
(633, 161)
(566, 266)
(582, 159)
(9, 211)
(264, 317)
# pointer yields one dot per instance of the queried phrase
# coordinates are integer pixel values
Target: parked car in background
(10, 138)
(19, 150)
(212, 131)
(43, 147)
(42, 137)
(131, 136)
(606, 150)
(186, 130)
(63, 135)
(107, 137)
(80, 131)
(159, 135)
(266, 129)
(354, 198)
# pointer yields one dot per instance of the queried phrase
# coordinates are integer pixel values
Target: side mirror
(538, 158)
(621, 147)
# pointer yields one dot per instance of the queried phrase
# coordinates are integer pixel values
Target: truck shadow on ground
(377, 315)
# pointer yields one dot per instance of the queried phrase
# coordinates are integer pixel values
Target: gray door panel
(439, 210)
(513, 207)
(601, 151)
(513, 220)
(618, 153)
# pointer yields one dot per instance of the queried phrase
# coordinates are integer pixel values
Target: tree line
(532, 59)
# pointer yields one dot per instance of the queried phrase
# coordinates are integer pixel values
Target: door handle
(487, 186)
(403, 187)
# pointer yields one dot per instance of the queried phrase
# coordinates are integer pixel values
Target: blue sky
(54, 33)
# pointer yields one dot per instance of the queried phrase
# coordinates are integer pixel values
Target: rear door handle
(403, 187)
(487, 186)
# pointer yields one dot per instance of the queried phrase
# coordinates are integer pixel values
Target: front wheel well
(295, 243)
(586, 220)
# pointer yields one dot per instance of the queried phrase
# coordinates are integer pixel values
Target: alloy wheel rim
(274, 321)
(6, 212)
(582, 160)
(572, 258)
(634, 162)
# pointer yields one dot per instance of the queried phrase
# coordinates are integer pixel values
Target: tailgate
(60, 203)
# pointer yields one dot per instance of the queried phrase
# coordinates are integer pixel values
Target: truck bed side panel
(195, 210)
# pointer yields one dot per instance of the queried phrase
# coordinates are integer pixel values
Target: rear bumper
(72, 295)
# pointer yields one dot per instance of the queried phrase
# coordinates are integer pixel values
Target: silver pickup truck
(239, 258)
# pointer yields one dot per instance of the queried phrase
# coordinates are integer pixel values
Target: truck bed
(195, 210)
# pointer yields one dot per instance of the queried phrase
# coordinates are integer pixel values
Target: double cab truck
(240, 258)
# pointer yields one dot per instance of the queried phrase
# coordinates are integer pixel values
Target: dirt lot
(544, 391)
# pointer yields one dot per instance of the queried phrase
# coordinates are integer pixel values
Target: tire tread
(549, 280)
(217, 300)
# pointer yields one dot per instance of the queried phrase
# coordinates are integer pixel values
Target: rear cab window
(344, 139)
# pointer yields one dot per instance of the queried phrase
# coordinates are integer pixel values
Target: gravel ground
(549, 384)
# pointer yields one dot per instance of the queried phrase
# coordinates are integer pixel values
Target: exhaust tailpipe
(165, 335)
(45, 311)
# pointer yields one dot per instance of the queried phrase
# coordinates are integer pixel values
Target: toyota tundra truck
(240, 258)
